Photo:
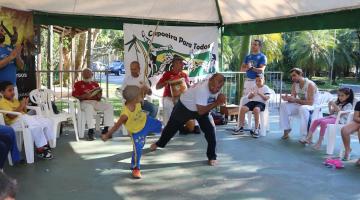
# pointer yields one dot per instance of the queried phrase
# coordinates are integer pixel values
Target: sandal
(285, 137)
(304, 141)
(346, 158)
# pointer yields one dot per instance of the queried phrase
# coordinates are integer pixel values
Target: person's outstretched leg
(209, 131)
(345, 134)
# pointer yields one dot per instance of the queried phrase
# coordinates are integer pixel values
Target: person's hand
(291, 99)
(285, 97)
(105, 137)
(221, 99)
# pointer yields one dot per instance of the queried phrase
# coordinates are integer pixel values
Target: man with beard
(89, 93)
(303, 96)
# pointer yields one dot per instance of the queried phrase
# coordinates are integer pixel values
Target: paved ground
(264, 168)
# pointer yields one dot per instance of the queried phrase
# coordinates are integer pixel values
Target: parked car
(99, 66)
(117, 67)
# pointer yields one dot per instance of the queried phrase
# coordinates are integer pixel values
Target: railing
(62, 81)
(234, 82)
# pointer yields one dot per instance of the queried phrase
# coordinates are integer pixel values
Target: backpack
(219, 118)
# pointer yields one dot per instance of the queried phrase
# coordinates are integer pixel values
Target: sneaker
(136, 173)
(45, 155)
(47, 148)
(197, 130)
(91, 135)
(255, 133)
(238, 131)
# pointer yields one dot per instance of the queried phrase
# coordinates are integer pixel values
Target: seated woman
(348, 129)
(8, 144)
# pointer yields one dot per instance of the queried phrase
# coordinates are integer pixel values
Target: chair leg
(75, 128)
(263, 124)
(29, 146)
(10, 160)
(331, 140)
(249, 121)
(52, 143)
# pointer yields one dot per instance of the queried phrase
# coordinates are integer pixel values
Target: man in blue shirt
(254, 64)
(10, 60)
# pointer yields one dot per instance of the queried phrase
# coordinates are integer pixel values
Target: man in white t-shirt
(196, 103)
(137, 80)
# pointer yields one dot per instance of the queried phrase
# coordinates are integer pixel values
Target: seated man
(303, 96)
(137, 80)
(89, 93)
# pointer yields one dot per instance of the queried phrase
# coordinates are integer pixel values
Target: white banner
(197, 45)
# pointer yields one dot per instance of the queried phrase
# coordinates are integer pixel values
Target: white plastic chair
(319, 106)
(264, 115)
(332, 129)
(81, 121)
(43, 98)
(25, 136)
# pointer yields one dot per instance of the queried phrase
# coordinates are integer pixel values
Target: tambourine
(177, 87)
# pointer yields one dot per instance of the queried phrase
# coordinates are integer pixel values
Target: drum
(177, 87)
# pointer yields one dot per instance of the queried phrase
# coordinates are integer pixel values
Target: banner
(18, 28)
(155, 46)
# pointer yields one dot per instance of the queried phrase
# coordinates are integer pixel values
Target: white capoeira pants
(90, 106)
(289, 109)
(168, 105)
(40, 128)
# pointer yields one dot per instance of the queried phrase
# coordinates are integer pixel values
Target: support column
(88, 46)
(50, 67)
(244, 50)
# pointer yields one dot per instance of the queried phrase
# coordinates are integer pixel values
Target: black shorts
(252, 104)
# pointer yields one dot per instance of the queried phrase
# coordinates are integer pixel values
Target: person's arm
(19, 62)
(292, 96)
(310, 97)
(264, 96)
(162, 82)
(357, 117)
(260, 69)
(5, 61)
(221, 99)
(122, 120)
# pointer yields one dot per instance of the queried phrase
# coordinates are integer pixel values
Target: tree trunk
(244, 50)
(80, 53)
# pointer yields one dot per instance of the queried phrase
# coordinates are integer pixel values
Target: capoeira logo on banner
(155, 46)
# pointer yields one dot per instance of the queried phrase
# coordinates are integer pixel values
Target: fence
(234, 82)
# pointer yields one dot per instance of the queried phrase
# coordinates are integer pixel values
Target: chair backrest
(43, 98)
(324, 98)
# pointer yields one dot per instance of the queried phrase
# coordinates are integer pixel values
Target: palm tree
(312, 50)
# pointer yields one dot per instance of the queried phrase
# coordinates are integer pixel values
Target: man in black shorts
(258, 96)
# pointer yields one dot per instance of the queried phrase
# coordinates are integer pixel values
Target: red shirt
(169, 75)
(82, 87)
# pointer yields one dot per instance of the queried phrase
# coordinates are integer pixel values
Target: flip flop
(302, 141)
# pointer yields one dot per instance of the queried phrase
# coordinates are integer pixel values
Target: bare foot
(212, 162)
(153, 147)
(317, 146)
(346, 156)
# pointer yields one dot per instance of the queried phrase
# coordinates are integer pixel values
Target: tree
(311, 50)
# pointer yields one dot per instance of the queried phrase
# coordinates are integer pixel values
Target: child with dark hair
(344, 102)
(138, 124)
(40, 127)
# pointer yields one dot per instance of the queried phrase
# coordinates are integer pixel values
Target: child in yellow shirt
(40, 127)
(138, 124)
